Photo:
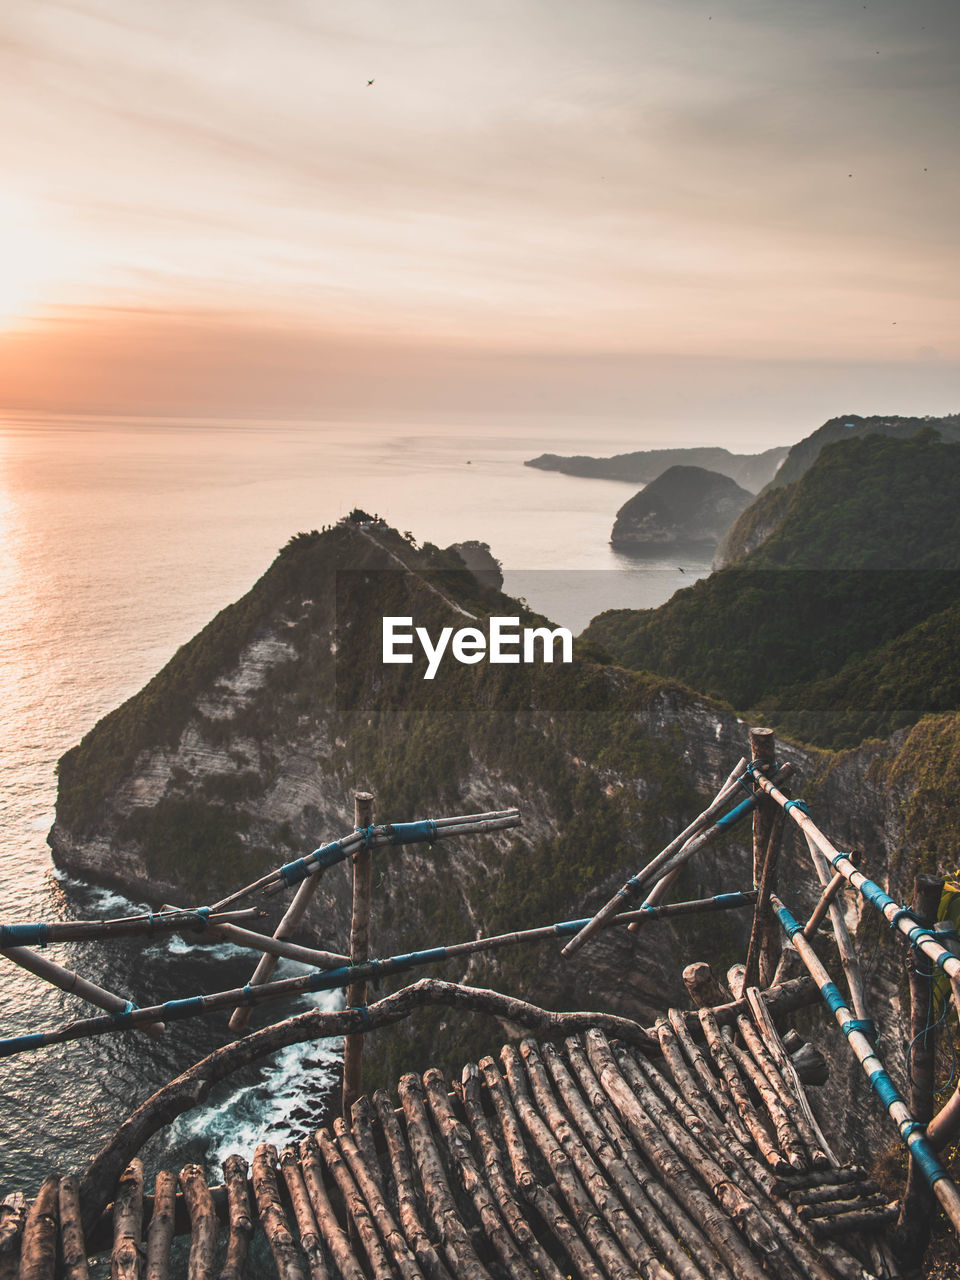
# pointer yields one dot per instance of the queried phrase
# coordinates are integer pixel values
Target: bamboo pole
(361, 1125)
(763, 947)
(848, 953)
(828, 895)
(458, 1248)
(203, 1222)
(161, 1228)
(399, 833)
(310, 1237)
(721, 1053)
(128, 1224)
(918, 1146)
(72, 983)
(670, 1155)
(358, 1215)
(585, 1212)
(13, 1210)
(618, 1173)
(277, 946)
(424, 1251)
(782, 1108)
(356, 994)
(916, 1209)
(460, 1159)
(644, 878)
(671, 1228)
(239, 1217)
(700, 841)
(72, 1244)
(38, 1252)
(333, 1234)
(820, 1152)
(167, 920)
(495, 1173)
(272, 1214)
(372, 1191)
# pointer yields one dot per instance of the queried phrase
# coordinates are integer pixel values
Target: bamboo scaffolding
(783, 1107)
(278, 947)
(726, 1065)
(203, 1223)
(403, 1258)
(680, 1225)
(918, 1146)
(72, 1244)
(167, 920)
(125, 1258)
(310, 1238)
(767, 831)
(828, 895)
(460, 1159)
(72, 983)
(38, 1252)
(739, 1164)
(848, 954)
(495, 1173)
(399, 833)
(648, 875)
(585, 1212)
(273, 1216)
(616, 1170)
(458, 1247)
(333, 1234)
(162, 1224)
(547, 1205)
(901, 919)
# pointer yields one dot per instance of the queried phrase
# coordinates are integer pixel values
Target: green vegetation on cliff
(838, 624)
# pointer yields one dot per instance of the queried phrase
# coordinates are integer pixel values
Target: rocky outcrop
(686, 507)
(750, 470)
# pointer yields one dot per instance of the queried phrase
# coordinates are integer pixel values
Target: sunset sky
(625, 206)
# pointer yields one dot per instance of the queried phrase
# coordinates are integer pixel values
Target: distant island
(750, 470)
(683, 509)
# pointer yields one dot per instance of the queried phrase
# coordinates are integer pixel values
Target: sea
(120, 539)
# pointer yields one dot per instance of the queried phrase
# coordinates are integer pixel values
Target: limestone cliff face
(244, 752)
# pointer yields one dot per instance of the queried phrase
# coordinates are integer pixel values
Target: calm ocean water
(120, 540)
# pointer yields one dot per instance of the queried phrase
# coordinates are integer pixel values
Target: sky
(693, 213)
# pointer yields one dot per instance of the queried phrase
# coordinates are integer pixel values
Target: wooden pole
(203, 1223)
(848, 952)
(767, 830)
(359, 951)
(71, 982)
(127, 1224)
(72, 1243)
(273, 1217)
(239, 1215)
(162, 1223)
(38, 1253)
(918, 1205)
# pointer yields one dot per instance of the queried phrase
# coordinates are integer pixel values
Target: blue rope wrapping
(248, 993)
(328, 855)
(736, 814)
(364, 1011)
(119, 1014)
(23, 935)
(927, 1160)
(18, 1044)
(866, 1026)
(791, 926)
(835, 861)
(796, 804)
(746, 787)
(884, 1088)
(903, 912)
(412, 832)
(832, 997)
(914, 1126)
(203, 914)
(174, 1007)
(293, 872)
(367, 833)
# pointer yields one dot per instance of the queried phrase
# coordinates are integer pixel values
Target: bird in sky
(369, 83)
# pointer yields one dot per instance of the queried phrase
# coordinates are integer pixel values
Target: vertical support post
(918, 1207)
(764, 948)
(359, 952)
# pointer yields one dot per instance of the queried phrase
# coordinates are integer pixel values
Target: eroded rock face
(256, 764)
(685, 507)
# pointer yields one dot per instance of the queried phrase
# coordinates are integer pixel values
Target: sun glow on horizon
(38, 265)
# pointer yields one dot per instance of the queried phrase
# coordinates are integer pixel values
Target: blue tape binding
(866, 1026)
(741, 811)
(901, 913)
(367, 833)
(790, 926)
(834, 1000)
(723, 900)
(796, 804)
(203, 913)
(364, 1012)
(191, 1004)
(17, 1044)
(913, 1126)
(120, 1014)
(884, 1088)
(926, 1159)
(23, 935)
(412, 832)
(248, 992)
(294, 872)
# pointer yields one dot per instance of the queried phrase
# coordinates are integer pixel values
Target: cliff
(750, 470)
(684, 507)
(244, 750)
